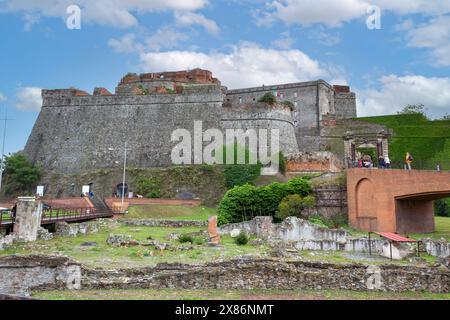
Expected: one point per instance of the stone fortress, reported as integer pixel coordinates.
(78, 132)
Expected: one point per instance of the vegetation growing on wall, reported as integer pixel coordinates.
(149, 187)
(288, 104)
(20, 176)
(244, 202)
(268, 98)
(239, 174)
(292, 206)
(428, 141)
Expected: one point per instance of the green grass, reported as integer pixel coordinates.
(427, 141)
(442, 230)
(105, 256)
(442, 225)
(217, 294)
(157, 211)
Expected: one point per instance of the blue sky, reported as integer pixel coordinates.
(244, 43)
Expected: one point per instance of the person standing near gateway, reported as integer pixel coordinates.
(387, 162)
(408, 161)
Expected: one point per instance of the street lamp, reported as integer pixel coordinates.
(2, 167)
(124, 170)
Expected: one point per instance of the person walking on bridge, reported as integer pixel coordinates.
(408, 161)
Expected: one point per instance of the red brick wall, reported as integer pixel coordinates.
(394, 200)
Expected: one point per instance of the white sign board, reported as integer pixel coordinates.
(85, 189)
(40, 191)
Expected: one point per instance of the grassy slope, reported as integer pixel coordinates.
(217, 294)
(428, 141)
(442, 230)
(156, 211)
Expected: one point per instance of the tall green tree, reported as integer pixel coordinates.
(19, 175)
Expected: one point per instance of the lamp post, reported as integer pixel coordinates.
(124, 172)
(2, 167)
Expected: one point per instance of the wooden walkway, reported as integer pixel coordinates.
(64, 215)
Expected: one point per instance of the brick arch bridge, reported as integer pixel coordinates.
(394, 200)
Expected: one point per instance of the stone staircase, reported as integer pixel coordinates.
(101, 207)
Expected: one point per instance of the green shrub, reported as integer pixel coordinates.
(184, 238)
(144, 91)
(268, 98)
(318, 220)
(240, 174)
(442, 208)
(241, 239)
(288, 104)
(337, 221)
(292, 205)
(232, 204)
(281, 163)
(148, 186)
(199, 241)
(153, 195)
(244, 202)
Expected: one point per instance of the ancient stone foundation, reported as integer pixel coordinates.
(19, 275)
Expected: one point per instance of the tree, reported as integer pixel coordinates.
(20, 175)
(414, 109)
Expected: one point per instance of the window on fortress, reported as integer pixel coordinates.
(295, 94)
(240, 100)
(295, 104)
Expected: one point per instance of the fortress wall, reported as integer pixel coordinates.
(262, 116)
(302, 95)
(74, 134)
(345, 105)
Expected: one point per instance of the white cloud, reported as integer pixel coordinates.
(29, 98)
(190, 18)
(118, 13)
(325, 38)
(334, 13)
(164, 37)
(284, 42)
(247, 65)
(126, 44)
(2, 97)
(396, 92)
(435, 36)
(307, 12)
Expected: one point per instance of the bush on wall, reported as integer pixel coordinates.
(238, 174)
(292, 206)
(244, 202)
(149, 187)
(268, 98)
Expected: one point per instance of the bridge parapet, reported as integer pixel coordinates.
(395, 200)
